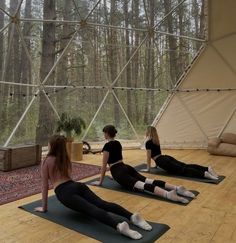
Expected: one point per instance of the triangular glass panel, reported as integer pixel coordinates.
(111, 113)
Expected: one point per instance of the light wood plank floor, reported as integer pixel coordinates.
(209, 218)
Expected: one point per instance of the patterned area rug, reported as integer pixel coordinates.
(25, 182)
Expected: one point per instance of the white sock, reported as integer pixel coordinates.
(124, 229)
(171, 195)
(149, 181)
(137, 220)
(210, 176)
(139, 185)
(211, 171)
(181, 190)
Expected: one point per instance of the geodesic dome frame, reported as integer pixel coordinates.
(208, 108)
(109, 87)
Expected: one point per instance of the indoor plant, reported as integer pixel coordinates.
(71, 126)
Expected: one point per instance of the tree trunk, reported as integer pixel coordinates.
(62, 74)
(195, 14)
(181, 62)
(152, 62)
(147, 80)
(26, 75)
(172, 44)
(2, 5)
(11, 62)
(12, 71)
(127, 55)
(25, 68)
(112, 42)
(2, 86)
(136, 67)
(96, 64)
(202, 22)
(45, 121)
(149, 70)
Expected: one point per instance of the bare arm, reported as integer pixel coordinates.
(45, 177)
(149, 158)
(104, 166)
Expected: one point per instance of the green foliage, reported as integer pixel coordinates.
(70, 125)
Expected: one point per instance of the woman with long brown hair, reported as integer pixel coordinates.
(77, 196)
(170, 164)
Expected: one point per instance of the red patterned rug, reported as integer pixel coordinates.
(25, 182)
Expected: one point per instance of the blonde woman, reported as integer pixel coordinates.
(170, 164)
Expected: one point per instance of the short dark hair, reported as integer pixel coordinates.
(110, 130)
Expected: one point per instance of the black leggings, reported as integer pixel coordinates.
(173, 166)
(127, 176)
(77, 196)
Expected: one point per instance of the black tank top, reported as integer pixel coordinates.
(155, 148)
(115, 151)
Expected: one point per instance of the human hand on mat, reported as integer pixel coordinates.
(145, 170)
(40, 209)
(96, 183)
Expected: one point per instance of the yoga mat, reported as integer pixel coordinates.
(85, 225)
(111, 184)
(159, 171)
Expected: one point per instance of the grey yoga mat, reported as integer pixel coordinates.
(159, 171)
(111, 184)
(85, 225)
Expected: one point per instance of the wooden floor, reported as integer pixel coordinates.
(209, 218)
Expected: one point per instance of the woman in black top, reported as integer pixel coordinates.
(169, 163)
(129, 178)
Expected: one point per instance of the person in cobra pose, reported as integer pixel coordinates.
(170, 164)
(129, 178)
(77, 196)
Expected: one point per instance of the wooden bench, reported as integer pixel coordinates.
(20, 156)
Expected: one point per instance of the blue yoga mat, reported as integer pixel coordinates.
(85, 225)
(159, 171)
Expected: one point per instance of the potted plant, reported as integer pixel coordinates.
(72, 126)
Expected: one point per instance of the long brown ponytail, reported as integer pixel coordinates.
(58, 149)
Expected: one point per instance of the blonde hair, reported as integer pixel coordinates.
(152, 134)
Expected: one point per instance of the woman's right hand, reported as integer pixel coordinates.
(145, 170)
(95, 183)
